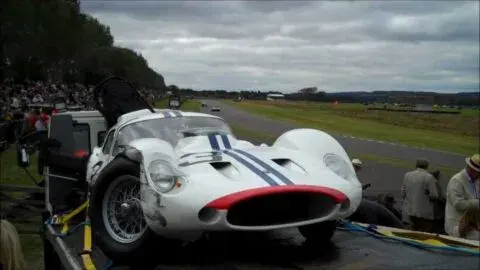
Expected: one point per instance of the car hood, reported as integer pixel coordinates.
(224, 159)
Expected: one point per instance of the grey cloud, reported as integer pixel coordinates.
(273, 45)
(414, 7)
(265, 6)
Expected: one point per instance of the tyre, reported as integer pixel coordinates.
(318, 233)
(118, 225)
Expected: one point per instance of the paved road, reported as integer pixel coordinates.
(385, 178)
(261, 124)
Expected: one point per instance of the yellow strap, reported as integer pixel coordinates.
(87, 238)
(67, 217)
(65, 227)
(87, 262)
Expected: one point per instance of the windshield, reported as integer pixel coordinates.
(171, 129)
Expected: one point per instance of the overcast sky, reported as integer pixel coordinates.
(288, 45)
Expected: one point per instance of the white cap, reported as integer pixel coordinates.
(357, 162)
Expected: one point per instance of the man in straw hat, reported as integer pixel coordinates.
(462, 193)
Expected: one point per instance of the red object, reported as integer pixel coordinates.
(32, 119)
(80, 153)
(44, 117)
(227, 201)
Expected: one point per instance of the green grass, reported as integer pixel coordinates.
(32, 247)
(454, 133)
(245, 133)
(11, 174)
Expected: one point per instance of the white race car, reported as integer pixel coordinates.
(179, 175)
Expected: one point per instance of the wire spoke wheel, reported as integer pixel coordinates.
(122, 212)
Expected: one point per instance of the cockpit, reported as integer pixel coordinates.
(171, 130)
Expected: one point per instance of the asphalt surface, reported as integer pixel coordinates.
(286, 249)
(385, 178)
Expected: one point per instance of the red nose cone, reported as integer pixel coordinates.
(225, 202)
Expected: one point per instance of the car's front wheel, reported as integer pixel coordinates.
(117, 219)
(319, 233)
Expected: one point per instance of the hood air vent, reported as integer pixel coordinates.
(289, 164)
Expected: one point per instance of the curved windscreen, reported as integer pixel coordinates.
(172, 129)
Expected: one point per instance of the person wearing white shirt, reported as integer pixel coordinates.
(463, 193)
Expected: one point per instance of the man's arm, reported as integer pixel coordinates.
(457, 199)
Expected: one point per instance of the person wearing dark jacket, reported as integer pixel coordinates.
(372, 212)
(439, 205)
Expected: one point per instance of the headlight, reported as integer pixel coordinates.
(164, 177)
(339, 166)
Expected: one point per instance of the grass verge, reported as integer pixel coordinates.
(248, 134)
(451, 133)
(11, 174)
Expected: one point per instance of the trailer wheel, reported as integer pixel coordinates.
(117, 220)
(318, 233)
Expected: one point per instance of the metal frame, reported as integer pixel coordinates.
(67, 258)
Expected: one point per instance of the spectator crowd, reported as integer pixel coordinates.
(36, 101)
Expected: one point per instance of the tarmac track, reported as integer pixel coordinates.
(385, 178)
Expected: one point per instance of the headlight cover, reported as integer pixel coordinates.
(163, 175)
(339, 166)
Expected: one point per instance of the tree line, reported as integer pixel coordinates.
(313, 94)
(54, 40)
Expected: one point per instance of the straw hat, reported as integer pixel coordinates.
(474, 162)
(357, 162)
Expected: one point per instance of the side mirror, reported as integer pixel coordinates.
(23, 158)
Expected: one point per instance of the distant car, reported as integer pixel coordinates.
(215, 109)
(204, 104)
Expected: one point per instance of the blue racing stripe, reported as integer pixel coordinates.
(267, 167)
(176, 113)
(226, 142)
(254, 169)
(213, 142)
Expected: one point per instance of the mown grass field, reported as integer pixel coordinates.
(11, 174)
(453, 133)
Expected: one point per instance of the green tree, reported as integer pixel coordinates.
(54, 40)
